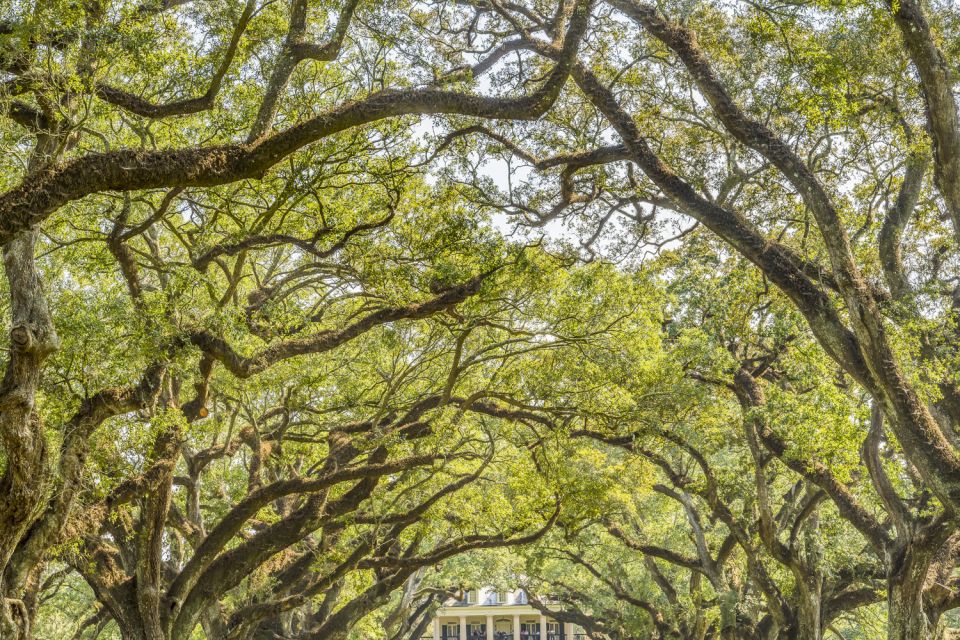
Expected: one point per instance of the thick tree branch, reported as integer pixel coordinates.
(937, 84)
(34, 200)
(244, 367)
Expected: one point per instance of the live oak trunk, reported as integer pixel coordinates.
(25, 482)
(907, 617)
(809, 613)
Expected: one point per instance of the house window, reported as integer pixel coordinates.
(503, 628)
(501, 597)
(472, 596)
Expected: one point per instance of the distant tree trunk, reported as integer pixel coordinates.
(907, 617)
(809, 613)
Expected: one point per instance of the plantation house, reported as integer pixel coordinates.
(489, 614)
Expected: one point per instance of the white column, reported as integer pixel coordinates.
(543, 627)
(436, 628)
(463, 627)
(489, 627)
(516, 626)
